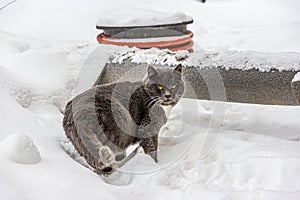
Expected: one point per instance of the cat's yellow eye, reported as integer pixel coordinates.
(173, 86)
(160, 87)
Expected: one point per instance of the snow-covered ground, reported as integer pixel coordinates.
(48, 53)
(262, 25)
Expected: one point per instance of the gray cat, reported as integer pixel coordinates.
(104, 120)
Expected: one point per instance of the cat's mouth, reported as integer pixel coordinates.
(168, 103)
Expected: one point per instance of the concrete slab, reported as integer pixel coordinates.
(234, 85)
(296, 91)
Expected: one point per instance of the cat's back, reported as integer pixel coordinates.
(104, 105)
(101, 96)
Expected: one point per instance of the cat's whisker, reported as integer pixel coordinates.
(152, 101)
(159, 101)
(149, 99)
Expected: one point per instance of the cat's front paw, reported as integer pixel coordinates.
(106, 156)
(105, 171)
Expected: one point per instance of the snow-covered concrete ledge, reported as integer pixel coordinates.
(244, 60)
(243, 76)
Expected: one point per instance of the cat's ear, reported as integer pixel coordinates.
(152, 71)
(178, 69)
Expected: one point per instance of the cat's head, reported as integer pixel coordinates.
(165, 84)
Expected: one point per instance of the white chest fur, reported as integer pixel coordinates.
(167, 110)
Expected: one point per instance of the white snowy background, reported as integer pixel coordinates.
(44, 48)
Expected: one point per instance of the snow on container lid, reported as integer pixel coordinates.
(137, 18)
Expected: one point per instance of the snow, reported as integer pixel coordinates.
(20, 149)
(150, 56)
(259, 25)
(140, 17)
(244, 60)
(297, 77)
(212, 150)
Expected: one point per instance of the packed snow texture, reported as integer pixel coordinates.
(140, 17)
(212, 150)
(243, 60)
(20, 149)
(151, 56)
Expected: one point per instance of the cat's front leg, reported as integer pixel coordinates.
(150, 146)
